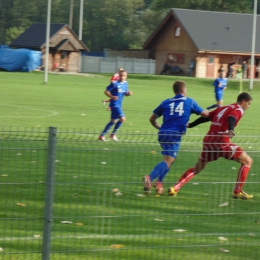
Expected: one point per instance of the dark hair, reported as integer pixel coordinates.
(178, 86)
(244, 96)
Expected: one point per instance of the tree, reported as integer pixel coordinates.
(141, 25)
(106, 22)
(5, 17)
(237, 6)
(12, 33)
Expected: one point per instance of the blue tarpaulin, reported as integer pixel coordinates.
(20, 59)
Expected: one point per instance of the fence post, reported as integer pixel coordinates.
(46, 246)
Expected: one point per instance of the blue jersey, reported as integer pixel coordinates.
(220, 89)
(118, 89)
(176, 112)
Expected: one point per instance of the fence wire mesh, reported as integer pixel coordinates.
(99, 210)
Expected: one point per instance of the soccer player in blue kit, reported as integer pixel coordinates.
(220, 85)
(116, 92)
(176, 112)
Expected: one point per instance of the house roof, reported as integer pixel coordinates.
(35, 36)
(65, 44)
(213, 31)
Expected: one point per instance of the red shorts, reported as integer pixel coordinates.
(213, 150)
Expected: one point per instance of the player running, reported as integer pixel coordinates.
(176, 112)
(217, 144)
(116, 92)
(220, 85)
(114, 78)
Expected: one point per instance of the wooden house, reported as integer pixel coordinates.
(65, 47)
(211, 39)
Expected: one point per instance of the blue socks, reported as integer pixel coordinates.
(117, 126)
(158, 170)
(163, 175)
(215, 105)
(108, 126)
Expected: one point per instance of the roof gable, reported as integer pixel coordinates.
(35, 36)
(65, 45)
(214, 31)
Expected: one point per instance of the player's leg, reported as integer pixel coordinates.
(114, 117)
(106, 101)
(218, 99)
(187, 176)
(246, 163)
(158, 170)
(109, 108)
(206, 156)
(159, 182)
(236, 153)
(119, 114)
(219, 103)
(170, 145)
(106, 129)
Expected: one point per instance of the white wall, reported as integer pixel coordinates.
(110, 65)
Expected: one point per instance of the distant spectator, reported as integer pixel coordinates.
(221, 68)
(191, 67)
(230, 70)
(55, 66)
(244, 69)
(165, 69)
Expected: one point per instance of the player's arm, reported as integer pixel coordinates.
(108, 94)
(129, 93)
(154, 122)
(203, 119)
(198, 121)
(231, 126)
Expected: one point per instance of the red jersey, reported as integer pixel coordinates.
(115, 77)
(219, 123)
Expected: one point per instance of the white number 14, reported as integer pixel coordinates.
(178, 109)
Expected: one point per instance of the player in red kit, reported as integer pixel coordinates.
(114, 78)
(217, 144)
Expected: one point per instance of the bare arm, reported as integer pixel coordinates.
(108, 93)
(154, 122)
(205, 113)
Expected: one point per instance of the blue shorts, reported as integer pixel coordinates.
(219, 96)
(116, 112)
(170, 142)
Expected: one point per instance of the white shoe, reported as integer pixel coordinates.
(113, 137)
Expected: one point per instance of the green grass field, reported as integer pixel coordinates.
(202, 222)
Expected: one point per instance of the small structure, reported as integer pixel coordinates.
(211, 39)
(24, 60)
(65, 47)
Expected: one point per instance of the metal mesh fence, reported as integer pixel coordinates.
(99, 210)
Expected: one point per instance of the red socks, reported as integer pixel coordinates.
(190, 173)
(241, 178)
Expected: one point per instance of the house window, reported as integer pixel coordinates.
(175, 57)
(211, 60)
(63, 55)
(177, 31)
